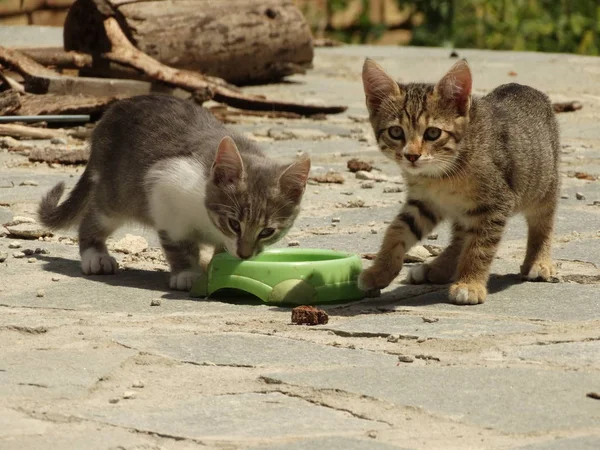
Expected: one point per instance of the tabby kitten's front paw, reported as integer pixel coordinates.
(467, 293)
(94, 262)
(375, 278)
(540, 271)
(183, 281)
(428, 273)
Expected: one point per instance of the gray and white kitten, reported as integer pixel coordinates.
(169, 164)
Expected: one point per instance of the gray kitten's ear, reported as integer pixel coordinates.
(293, 179)
(228, 167)
(455, 87)
(378, 85)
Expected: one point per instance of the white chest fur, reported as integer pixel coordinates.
(177, 190)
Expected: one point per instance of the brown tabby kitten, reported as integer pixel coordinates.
(473, 161)
(170, 165)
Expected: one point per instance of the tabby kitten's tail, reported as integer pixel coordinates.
(55, 216)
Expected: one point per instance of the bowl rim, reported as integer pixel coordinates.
(336, 256)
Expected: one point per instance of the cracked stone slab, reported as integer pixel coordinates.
(76, 436)
(580, 250)
(512, 400)
(63, 373)
(231, 417)
(573, 354)
(412, 326)
(332, 443)
(577, 443)
(239, 349)
(562, 302)
(16, 423)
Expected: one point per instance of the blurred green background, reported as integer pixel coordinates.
(570, 26)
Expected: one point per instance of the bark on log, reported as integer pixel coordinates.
(50, 104)
(124, 52)
(61, 155)
(9, 102)
(25, 132)
(241, 41)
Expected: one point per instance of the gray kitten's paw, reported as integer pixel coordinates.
(183, 281)
(94, 262)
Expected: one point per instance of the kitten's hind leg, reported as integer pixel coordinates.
(94, 229)
(538, 265)
(184, 260)
(481, 244)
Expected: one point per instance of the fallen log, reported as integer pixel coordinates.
(241, 41)
(9, 102)
(101, 87)
(51, 104)
(123, 51)
(202, 87)
(25, 132)
(60, 155)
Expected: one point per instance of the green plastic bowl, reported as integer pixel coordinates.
(300, 276)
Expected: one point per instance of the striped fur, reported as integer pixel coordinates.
(472, 161)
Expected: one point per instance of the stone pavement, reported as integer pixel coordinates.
(88, 363)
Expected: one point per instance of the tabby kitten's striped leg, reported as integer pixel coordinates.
(443, 268)
(481, 244)
(415, 220)
(538, 263)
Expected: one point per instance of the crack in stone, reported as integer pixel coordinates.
(184, 361)
(322, 403)
(34, 385)
(61, 418)
(56, 308)
(567, 341)
(369, 334)
(25, 329)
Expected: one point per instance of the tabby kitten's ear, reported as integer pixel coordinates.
(378, 85)
(228, 167)
(293, 179)
(455, 87)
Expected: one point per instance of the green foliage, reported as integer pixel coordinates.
(570, 26)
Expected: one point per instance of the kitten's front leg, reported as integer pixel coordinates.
(414, 221)
(481, 244)
(183, 257)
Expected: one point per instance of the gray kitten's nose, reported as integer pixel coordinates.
(243, 254)
(412, 157)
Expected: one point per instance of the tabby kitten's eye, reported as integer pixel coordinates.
(266, 232)
(432, 134)
(396, 132)
(235, 226)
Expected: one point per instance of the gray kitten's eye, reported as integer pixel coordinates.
(432, 134)
(266, 232)
(396, 132)
(235, 226)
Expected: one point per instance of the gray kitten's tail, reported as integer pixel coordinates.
(55, 216)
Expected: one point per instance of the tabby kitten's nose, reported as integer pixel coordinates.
(412, 157)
